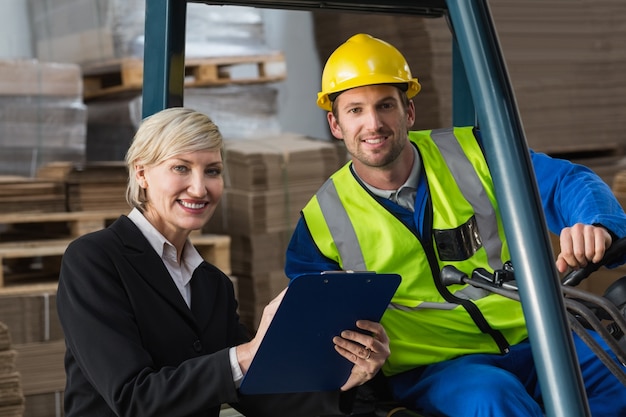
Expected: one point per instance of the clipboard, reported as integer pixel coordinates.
(297, 353)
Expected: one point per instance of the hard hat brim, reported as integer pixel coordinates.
(410, 88)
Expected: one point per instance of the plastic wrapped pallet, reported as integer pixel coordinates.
(240, 111)
(83, 31)
(42, 116)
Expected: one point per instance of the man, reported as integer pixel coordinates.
(412, 203)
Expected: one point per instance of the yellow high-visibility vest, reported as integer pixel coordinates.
(426, 321)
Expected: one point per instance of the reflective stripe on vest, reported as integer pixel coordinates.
(345, 237)
(472, 188)
(341, 228)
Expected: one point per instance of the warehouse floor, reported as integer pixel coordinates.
(230, 412)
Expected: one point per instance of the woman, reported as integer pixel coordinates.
(151, 328)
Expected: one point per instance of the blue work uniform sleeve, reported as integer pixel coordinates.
(572, 193)
(303, 256)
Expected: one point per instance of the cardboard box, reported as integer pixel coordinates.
(277, 162)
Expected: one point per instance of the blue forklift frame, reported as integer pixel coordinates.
(483, 95)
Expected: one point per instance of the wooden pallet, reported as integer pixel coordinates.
(40, 259)
(72, 224)
(126, 74)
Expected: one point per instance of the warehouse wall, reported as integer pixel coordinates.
(292, 33)
(15, 41)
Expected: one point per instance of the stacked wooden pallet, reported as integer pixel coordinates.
(31, 247)
(32, 244)
(125, 75)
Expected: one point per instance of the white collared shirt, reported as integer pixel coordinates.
(181, 273)
(189, 261)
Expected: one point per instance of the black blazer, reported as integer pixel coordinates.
(134, 348)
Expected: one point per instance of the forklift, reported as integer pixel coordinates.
(482, 95)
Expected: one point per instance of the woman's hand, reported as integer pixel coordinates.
(246, 351)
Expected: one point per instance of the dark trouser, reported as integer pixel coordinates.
(296, 405)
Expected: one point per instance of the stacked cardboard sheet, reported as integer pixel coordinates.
(566, 62)
(37, 338)
(566, 66)
(91, 186)
(11, 395)
(31, 315)
(24, 194)
(42, 116)
(41, 367)
(240, 112)
(268, 181)
(273, 163)
(110, 127)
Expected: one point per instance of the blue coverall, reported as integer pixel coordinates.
(493, 384)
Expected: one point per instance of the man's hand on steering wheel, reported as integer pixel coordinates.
(581, 244)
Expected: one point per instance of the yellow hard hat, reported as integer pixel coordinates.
(364, 60)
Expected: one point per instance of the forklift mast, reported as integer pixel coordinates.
(482, 96)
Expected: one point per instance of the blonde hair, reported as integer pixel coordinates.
(170, 132)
